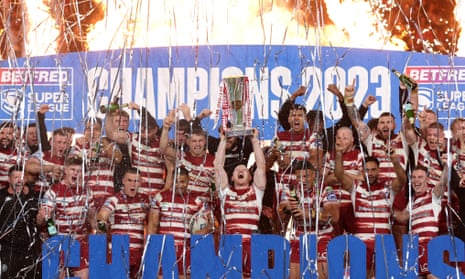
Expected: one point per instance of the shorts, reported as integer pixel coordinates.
(322, 251)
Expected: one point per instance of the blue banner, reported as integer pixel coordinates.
(76, 84)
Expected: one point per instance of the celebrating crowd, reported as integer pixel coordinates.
(356, 177)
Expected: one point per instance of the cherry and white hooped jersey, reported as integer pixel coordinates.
(316, 140)
(7, 160)
(241, 210)
(372, 208)
(458, 159)
(98, 175)
(69, 207)
(283, 181)
(429, 159)
(201, 173)
(130, 215)
(308, 201)
(378, 147)
(296, 144)
(175, 213)
(150, 163)
(353, 164)
(425, 215)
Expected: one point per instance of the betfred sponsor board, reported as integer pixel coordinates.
(23, 91)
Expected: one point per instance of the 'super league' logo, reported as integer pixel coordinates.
(425, 98)
(10, 100)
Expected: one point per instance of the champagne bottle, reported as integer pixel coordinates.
(293, 195)
(101, 226)
(96, 149)
(406, 80)
(277, 144)
(51, 228)
(112, 107)
(409, 113)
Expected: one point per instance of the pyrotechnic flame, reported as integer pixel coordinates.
(42, 29)
(144, 23)
(217, 22)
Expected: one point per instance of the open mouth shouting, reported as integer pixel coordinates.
(60, 152)
(417, 186)
(74, 179)
(386, 132)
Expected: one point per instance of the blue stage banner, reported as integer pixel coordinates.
(226, 262)
(76, 84)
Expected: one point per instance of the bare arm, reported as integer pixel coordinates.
(221, 176)
(102, 219)
(346, 181)
(352, 111)
(260, 173)
(329, 177)
(438, 189)
(169, 165)
(363, 131)
(111, 151)
(34, 168)
(153, 221)
(401, 177)
(165, 148)
(186, 112)
(91, 218)
(409, 131)
(330, 212)
(401, 216)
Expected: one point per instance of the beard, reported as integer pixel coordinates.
(6, 146)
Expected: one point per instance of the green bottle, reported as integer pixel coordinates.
(293, 195)
(409, 113)
(51, 228)
(408, 81)
(112, 107)
(96, 148)
(102, 226)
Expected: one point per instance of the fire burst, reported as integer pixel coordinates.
(31, 27)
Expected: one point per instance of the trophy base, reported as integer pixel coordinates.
(239, 132)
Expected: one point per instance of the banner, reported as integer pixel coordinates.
(76, 84)
(226, 262)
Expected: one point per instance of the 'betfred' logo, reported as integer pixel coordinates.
(444, 74)
(38, 76)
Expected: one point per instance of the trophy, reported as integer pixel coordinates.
(236, 106)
